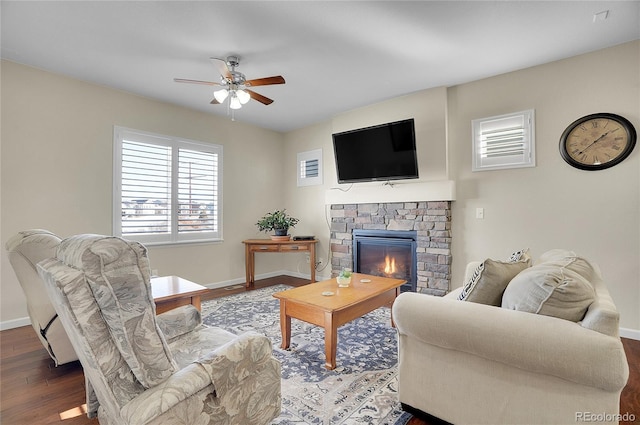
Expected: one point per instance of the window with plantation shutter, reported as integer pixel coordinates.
(166, 190)
(505, 141)
(310, 168)
(197, 191)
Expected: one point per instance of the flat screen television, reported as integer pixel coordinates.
(378, 153)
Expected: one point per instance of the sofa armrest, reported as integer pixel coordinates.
(540, 344)
(236, 360)
(179, 321)
(157, 400)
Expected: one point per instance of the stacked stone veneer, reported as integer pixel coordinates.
(431, 220)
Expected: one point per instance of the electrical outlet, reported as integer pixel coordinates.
(308, 258)
(480, 213)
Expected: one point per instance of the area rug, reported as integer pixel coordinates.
(363, 387)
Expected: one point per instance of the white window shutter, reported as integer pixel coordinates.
(310, 168)
(146, 188)
(505, 141)
(166, 190)
(197, 191)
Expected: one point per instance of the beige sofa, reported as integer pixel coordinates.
(472, 363)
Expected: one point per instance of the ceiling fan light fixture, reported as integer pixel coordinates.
(234, 102)
(233, 84)
(221, 95)
(243, 96)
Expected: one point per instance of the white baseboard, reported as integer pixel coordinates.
(15, 323)
(630, 333)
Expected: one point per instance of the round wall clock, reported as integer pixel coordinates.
(597, 141)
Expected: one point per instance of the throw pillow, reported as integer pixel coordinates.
(569, 260)
(490, 280)
(550, 289)
(522, 255)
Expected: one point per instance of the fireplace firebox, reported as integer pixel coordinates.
(388, 253)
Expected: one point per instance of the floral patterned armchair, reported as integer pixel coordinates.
(146, 369)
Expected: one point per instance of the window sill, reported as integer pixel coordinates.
(182, 243)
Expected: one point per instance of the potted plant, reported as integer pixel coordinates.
(278, 221)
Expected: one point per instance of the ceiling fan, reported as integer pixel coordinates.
(234, 84)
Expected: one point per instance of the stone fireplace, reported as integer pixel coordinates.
(431, 222)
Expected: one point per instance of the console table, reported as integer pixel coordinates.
(251, 246)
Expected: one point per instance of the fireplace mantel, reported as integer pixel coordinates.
(400, 191)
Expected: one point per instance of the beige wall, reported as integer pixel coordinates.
(596, 214)
(57, 144)
(57, 140)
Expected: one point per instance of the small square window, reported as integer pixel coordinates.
(505, 141)
(310, 168)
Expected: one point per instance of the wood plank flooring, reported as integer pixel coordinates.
(33, 391)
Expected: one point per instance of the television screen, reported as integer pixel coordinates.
(382, 152)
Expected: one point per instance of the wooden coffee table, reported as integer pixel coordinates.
(307, 303)
(170, 292)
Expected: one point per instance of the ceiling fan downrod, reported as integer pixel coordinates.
(237, 78)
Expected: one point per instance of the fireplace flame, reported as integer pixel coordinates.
(389, 265)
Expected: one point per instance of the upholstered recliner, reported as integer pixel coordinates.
(468, 362)
(25, 250)
(146, 369)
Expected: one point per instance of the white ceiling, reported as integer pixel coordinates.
(335, 56)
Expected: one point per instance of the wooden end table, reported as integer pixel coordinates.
(170, 292)
(251, 246)
(307, 303)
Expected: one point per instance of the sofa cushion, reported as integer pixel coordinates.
(489, 281)
(550, 289)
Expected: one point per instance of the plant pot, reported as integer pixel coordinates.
(343, 282)
(280, 235)
(344, 278)
(280, 238)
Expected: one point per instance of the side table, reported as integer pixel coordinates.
(170, 292)
(251, 246)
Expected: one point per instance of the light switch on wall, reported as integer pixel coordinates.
(479, 212)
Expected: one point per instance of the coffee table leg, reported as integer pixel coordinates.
(285, 326)
(330, 341)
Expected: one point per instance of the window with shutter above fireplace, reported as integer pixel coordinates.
(505, 141)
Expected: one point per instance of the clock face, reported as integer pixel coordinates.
(597, 141)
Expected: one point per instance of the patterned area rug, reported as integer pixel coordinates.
(362, 388)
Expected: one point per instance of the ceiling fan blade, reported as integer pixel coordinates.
(222, 67)
(206, 83)
(278, 79)
(260, 98)
(214, 102)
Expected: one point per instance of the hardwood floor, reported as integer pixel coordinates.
(33, 391)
